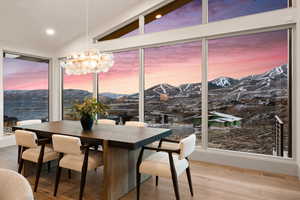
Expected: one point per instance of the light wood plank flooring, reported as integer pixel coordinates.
(211, 182)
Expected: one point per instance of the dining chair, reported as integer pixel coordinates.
(29, 122)
(34, 150)
(14, 186)
(26, 122)
(167, 163)
(136, 124)
(106, 121)
(75, 156)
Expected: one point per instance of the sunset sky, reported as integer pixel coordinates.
(177, 64)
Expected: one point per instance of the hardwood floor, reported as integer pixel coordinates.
(211, 182)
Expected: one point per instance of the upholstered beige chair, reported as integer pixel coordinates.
(14, 186)
(106, 121)
(29, 122)
(26, 122)
(34, 150)
(136, 124)
(74, 156)
(168, 163)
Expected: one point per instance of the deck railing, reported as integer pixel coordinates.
(278, 136)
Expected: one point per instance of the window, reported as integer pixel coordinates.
(119, 87)
(248, 91)
(128, 30)
(177, 14)
(75, 89)
(173, 88)
(25, 89)
(226, 9)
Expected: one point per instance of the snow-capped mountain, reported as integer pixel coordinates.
(162, 89)
(222, 82)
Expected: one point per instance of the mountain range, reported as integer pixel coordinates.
(270, 80)
(268, 84)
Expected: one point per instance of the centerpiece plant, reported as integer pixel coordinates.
(88, 110)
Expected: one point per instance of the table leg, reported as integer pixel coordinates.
(119, 171)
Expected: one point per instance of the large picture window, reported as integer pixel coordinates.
(25, 89)
(75, 89)
(248, 91)
(226, 9)
(119, 87)
(177, 14)
(173, 88)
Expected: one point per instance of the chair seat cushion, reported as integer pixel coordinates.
(32, 154)
(158, 164)
(75, 162)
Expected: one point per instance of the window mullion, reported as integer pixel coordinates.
(1, 93)
(141, 72)
(204, 11)
(204, 94)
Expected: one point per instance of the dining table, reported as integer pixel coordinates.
(120, 144)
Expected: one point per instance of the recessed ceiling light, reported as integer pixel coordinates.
(50, 31)
(158, 16)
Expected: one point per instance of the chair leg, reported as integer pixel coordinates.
(138, 174)
(38, 173)
(138, 184)
(19, 153)
(174, 177)
(82, 183)
(39, 167)
(156, 180)
(188, 174)
(83, 172)
(21, 163)
(176, 189)
(69, 173)
(58, 173)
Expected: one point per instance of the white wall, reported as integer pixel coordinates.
(113, 24)
(55, 104)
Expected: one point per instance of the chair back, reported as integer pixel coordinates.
(66, 144)
(106, 121)
(26, 138)
(187, 146)
(29, 122)
(136, 124)
(14, 186)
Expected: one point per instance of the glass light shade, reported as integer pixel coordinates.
(90, 61)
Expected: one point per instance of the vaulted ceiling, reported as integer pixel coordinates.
(24, 21)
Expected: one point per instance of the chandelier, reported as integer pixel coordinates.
(89, 60)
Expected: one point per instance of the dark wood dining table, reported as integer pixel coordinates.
(121, 146)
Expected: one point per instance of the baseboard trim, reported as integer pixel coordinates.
(248, 161)
(7, 140)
